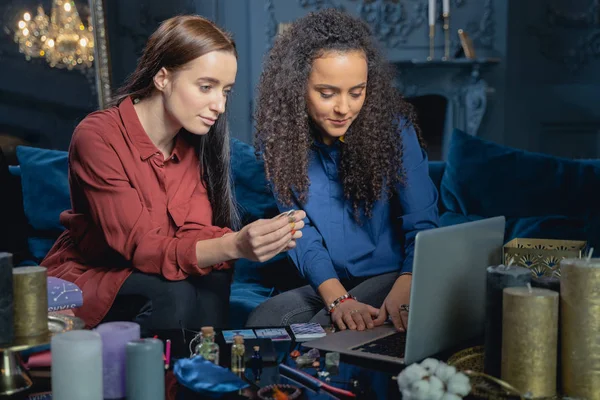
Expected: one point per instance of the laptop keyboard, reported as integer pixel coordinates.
(392, 345)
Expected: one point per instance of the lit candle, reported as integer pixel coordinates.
(498, 278)
(115, 336)
(432, 12)
(6, 298)
(446, 7)
(580, 328)
(530, 340)
(77, 366)
(145, 370)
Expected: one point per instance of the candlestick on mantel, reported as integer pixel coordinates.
(530, 340)
(498, 278)
(580, 328)
(446, 15)
(446, 37)
(77, 366)
(431, 28)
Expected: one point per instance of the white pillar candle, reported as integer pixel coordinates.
(77, 366)
(432, 12)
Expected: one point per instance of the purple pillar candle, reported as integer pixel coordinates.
(115, 336)
(498, 278)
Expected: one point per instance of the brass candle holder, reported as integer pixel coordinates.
(431, 41)
(446, 36)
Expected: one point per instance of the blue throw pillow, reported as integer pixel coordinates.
(484, 178)
(541, 196)
(44, 179)
(255, 200)
(253, 195)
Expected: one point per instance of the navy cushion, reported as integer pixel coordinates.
(252, 192)
(487, 179)
(244, 298)
(44, 179)
(256, 201)
(541, 196)
(436, 173)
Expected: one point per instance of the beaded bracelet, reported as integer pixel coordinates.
(339, 301)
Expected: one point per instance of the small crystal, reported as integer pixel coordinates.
(304, 360)
(314, 353)
(332, 359)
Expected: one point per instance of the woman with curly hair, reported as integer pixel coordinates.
(341, 143)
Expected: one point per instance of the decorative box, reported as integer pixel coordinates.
(542, 256)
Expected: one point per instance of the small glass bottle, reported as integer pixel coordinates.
(207, 347)
(237, 355)
(257, 363)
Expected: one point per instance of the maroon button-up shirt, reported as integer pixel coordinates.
(131, 209)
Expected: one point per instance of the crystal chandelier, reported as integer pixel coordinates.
(61, 39)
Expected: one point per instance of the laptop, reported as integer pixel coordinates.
(447, 300)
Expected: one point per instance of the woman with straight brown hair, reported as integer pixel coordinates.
(153, 214)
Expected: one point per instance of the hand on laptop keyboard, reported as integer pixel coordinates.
(354, 315)
(395, 306)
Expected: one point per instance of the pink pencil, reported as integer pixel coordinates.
(168, 355)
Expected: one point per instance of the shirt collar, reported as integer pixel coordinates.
(136, 132)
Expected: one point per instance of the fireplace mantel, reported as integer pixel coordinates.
(459, 80)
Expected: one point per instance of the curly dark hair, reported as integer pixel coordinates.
(371, 154)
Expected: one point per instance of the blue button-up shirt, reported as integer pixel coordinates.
(334, 245)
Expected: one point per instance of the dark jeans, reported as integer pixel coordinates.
(305, 305)
(158, 304)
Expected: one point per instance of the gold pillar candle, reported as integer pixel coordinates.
(30, 302)
(530, 339)
(580, 328)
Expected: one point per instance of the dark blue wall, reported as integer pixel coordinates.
(553, 77)
(543, 94)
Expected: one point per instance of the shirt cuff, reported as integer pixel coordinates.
(187, 259)
(186, 253)
(318, 271)
(407, 264)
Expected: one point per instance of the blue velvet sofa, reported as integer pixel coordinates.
(541, 196)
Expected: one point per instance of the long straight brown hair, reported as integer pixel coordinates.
(176, 42)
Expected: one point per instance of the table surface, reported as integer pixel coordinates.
(367, 379)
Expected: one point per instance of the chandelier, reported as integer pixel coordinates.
(62, 39)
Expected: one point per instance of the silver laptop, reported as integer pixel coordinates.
(447, 300)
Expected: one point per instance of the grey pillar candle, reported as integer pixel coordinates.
(498, 278)
(546, 282)
(145, 372)
(6, 298)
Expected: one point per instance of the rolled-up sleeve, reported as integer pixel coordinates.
(417, 195)
(117, 209)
